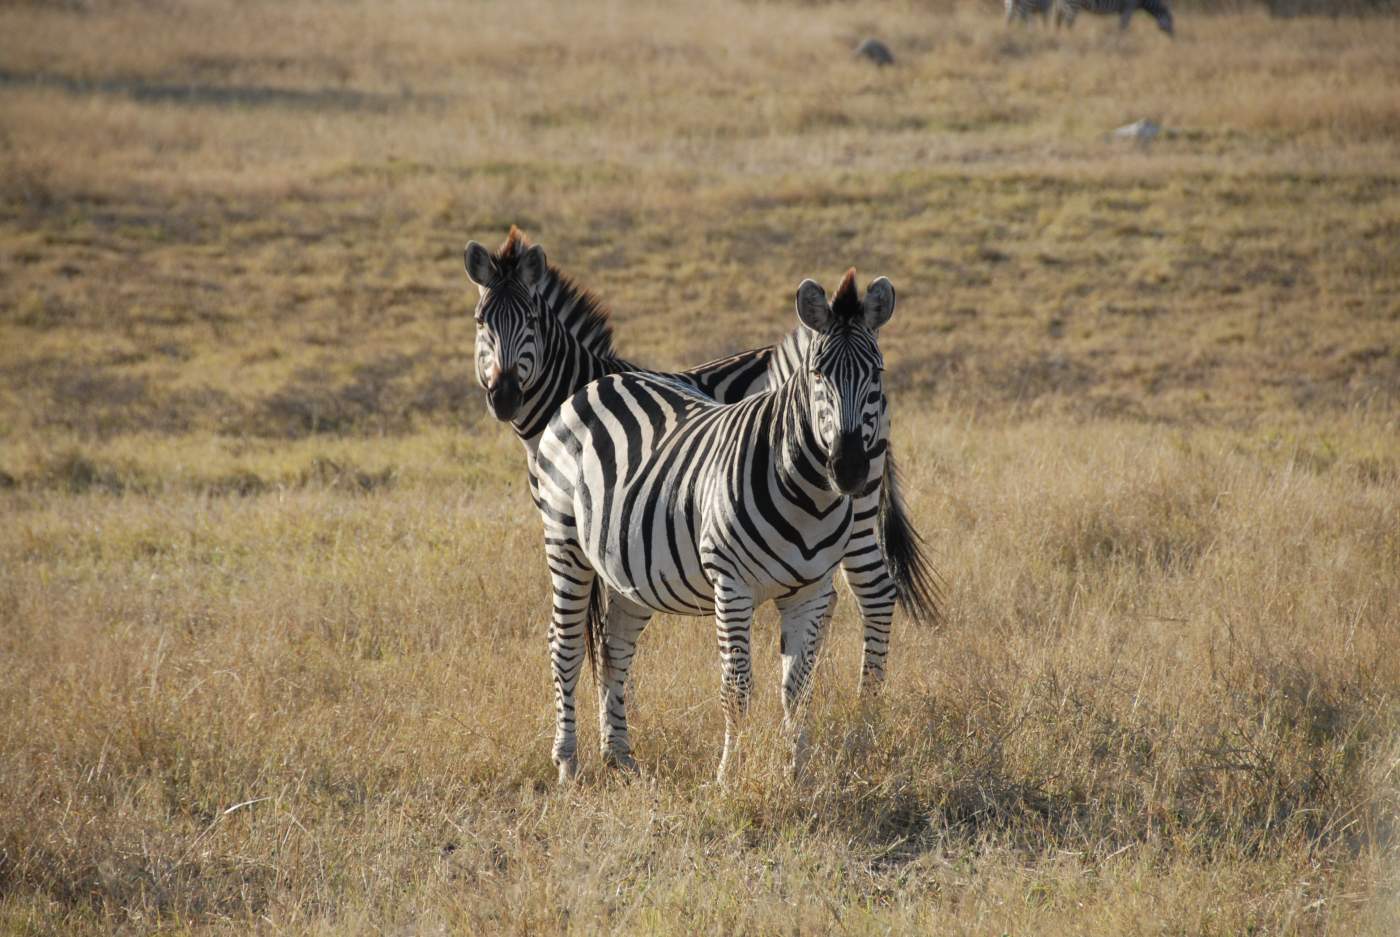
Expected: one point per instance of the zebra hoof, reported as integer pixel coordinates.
(728, 772)
(568, 769)
(623, 761)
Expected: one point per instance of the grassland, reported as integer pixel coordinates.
(272, 612)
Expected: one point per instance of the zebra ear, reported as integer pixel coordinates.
(813, 310)
(878, 303)
(532, 266)
(480, 267)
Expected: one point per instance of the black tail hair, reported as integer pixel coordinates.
(918, 588)
(595, 644)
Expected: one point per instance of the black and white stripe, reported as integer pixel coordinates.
(1067, 10)
(540, 338)
(1022, 9)
(676, 503)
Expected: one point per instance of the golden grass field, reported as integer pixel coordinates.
(272, 604)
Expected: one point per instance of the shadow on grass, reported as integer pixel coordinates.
(198, 94)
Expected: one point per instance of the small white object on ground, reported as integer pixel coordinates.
(1142, 132)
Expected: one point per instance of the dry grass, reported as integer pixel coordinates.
(271, 608)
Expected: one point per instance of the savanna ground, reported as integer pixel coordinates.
(272, 608)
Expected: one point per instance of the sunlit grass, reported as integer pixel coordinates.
(272, 611)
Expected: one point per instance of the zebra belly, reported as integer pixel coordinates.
(654, 560)
(773, 566)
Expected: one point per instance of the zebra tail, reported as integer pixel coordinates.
(918, 588)
(595, 644)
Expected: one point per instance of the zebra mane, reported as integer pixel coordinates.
(581, 313)
(846, 305)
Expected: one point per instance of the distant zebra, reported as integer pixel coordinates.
(683, 505)
(540, 338)
(1066, 10)
(1022, 9)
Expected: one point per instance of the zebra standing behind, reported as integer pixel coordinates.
(539, 339)
(1066, 10)
(1022, 10)
(683, 505)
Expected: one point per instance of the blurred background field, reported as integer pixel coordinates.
(272, 611)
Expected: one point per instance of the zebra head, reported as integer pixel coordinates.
(507, 316)
(843, 367)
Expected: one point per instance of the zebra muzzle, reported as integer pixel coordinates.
(849, 464)
(504, 396)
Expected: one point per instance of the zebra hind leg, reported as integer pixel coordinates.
(572, 583)
(804, 618)
(625, 621)
(733, 621)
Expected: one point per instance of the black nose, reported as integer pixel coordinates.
(504, 397)
(849, 464)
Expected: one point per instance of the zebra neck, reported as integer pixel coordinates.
(800, 464)
(565, 365)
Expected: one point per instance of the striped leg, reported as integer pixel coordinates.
(869, 578)
(733, 618)
(827, 614)
(572, 580)
(804, 617)
(624, 625)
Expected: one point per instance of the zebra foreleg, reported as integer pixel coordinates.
(733, 620)
(867, 573)
(875, 594)
(804, 617)
(624, 625)
(572, 582)
(827, 615)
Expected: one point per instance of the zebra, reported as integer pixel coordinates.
(540, 338)
(1066, 10)
(679, 504)
(1022, 10)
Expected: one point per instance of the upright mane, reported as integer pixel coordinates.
(845, 305)
(581, 313)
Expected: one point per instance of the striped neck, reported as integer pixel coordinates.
(800, 463)
(565, 366)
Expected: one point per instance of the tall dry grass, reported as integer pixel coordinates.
(271, 608)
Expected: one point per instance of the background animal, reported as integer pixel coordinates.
(1067, 10)
(1022, 9)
